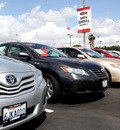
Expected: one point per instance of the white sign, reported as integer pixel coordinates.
(84, 19)
(14, 112)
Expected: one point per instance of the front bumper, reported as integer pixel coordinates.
(83, 84)
(36, 104)
(115, 75)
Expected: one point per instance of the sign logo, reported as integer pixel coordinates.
(11, 79)
(83, 13)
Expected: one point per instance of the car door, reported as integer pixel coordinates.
(14, 51)
(72, 52)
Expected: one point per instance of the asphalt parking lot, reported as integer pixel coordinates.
(81, 112)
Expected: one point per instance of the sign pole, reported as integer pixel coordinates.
(84, 21)
(84, 34)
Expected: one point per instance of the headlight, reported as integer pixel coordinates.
(115, 66)
(74, 71)
(39, 77)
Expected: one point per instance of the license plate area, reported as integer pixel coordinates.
(14, 112)
(104, 83)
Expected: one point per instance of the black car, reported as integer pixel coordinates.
(62, 74)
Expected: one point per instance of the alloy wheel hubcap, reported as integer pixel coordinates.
(49, 87)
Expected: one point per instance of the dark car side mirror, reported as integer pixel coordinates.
(24, 54)
(81, 56)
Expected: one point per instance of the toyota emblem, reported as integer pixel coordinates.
(11, 79)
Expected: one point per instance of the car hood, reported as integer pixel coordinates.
(11, 65)
(74, 62)
(105, 60)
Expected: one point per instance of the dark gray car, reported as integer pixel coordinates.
(62, 74)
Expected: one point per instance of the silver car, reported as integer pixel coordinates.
(22, 92)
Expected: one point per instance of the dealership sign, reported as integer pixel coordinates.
(84, 19)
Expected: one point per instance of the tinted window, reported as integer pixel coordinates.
(92, 53)
(61, 49)
(100, 52)
(72, 52)
(14, 50)
(43, 50)
(3, 48)
(113, 54)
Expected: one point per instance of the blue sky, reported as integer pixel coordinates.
(102, 8)
(25, 15)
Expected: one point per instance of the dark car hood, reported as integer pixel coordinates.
(73, 62)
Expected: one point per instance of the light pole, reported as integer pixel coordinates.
(100, 43)
(54, 43)
(83, 3)
(70, 35)
(118, 45)
(84, 32)
(18, 38)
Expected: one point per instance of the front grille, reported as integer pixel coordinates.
(26, 83)
(100, 73)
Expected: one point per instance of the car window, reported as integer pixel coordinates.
(72, 52)
(92, 53)
(48, 51)
(102, 53)
(117, 53)
(61, 49)
(14, 50)
(113, 54)
(3, 48)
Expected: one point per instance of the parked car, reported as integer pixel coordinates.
(22, 92)
(108, 54)
(116, 52)
(112, 66)
(62, 74)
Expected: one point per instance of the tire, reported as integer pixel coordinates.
(109, 76)
(53, 88)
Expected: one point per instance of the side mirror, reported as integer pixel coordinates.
(24, 54)
(81, 56)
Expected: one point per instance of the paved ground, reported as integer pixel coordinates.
(81, 112)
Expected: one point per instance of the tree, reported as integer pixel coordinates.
(91, 41)
(77, 46)
(108, 48)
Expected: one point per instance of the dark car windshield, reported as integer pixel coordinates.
(91, 53)
(46, 51)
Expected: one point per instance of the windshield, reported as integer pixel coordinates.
(92, 53)
(46, 51)
(113, 54)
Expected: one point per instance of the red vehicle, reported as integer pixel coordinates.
(107, 53)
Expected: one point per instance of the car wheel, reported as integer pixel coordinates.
(53, 88)
(109, 76)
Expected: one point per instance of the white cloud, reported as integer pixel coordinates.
(2, 5)
(108, 30)
(51, 28)
(23, 16)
